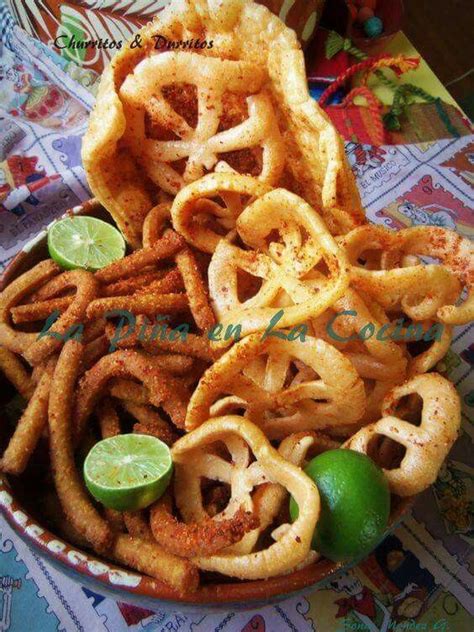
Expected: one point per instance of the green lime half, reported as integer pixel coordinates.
(355, 504)
(129, 471)
(84, 242)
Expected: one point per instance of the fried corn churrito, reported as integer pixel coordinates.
(427, 445)
(33, 347)
(14, 370)
(109, 421)
(40, 310)
(193, 460)
(164, 389)
(164, 248)
(200, 538)
(30, 426)
(147, 304)
(75, 501)
(19, 341)
(149, 558)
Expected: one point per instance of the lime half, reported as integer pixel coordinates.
(128, 472)
(84, 242)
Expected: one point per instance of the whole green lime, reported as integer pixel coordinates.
(355, 504)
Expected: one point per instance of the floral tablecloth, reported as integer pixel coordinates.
(421, 577)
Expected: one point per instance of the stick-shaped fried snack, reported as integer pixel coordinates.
(20, 341)
(15, 372)
(86, 291)
(150, 558)
(109, 421)
(32, 312)
(30, 426)
(74, 499)
(165, 248)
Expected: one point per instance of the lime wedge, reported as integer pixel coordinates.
(84, 242)
(128, 472)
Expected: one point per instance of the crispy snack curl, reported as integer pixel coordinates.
(288, 248)
(394, 276)
(283, 386)
(194, 458)
(427, 445)
(142, 94)
(200, 219)
(165, 118)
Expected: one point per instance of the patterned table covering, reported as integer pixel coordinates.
(419, 578)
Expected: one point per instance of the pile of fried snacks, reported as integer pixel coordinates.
(270, 323)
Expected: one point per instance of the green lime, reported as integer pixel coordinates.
(128, 472)
(84, 242)
(355, 504)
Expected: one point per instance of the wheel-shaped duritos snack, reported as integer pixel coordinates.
(361, 332)
(164, 118)
(289, 249)
(284, 386)
(394, 276)
(200, 142)
(194, 456)
(200, 219)
(426, 445)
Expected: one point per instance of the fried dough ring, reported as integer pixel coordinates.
(283, 267)
(260, 387)
(427, 445)
(373, 359)
(156, 222)
(428, 359)
(141, 92)
(195, 201)
(240, 435)
(423, 291)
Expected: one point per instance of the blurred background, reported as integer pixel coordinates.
(443, 33)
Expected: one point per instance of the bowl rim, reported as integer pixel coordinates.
(125, 584)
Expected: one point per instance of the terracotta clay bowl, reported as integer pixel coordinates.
(216, 592)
